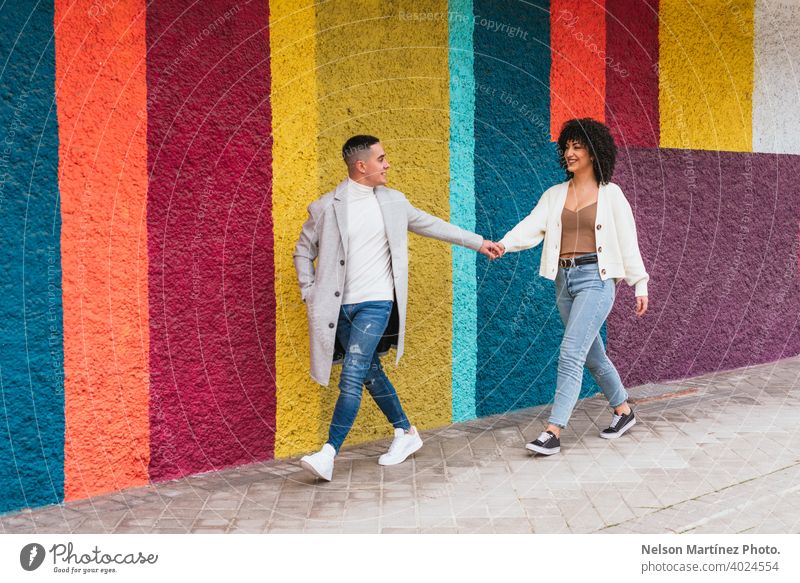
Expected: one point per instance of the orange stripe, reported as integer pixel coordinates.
(102, 123)
(578, 72)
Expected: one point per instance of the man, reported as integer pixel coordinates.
(357, 294)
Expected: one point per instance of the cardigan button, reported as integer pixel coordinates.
(341, 262)
(330, 325)
(598, 227)
(337, 294)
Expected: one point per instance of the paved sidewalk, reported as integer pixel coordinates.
(714, 454)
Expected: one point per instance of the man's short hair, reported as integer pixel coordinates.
(357, 148)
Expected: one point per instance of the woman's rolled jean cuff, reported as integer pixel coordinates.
(625, 400)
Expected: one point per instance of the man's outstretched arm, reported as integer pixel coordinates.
(427, 225)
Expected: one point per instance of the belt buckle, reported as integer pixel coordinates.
(567, 263)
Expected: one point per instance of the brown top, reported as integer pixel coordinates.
(577, 231)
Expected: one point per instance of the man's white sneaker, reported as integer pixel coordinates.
(404, 445)
(321, 463)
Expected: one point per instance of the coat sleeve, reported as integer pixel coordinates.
(635, 273)
(530, 231)
(422, 223)
(305, 252)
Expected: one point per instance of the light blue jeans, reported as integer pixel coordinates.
(359, 330)
(584, 302)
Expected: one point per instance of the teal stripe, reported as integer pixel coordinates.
(462, 208)
(31, 317)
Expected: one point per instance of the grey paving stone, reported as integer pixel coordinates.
(716, 453)
(550, 525)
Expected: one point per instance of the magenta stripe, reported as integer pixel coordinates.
(718, 233)
(632, 71)
(212, 306)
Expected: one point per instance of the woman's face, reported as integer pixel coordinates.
(577, 157)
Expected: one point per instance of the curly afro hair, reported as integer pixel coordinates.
(596, 138)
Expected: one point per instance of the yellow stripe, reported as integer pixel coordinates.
(706, 74)
(384, 72)
(295, 123)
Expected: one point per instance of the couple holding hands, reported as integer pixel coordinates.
(357, 294)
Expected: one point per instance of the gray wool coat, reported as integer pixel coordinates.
(323, 238)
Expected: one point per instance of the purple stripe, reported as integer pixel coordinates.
(718, 233)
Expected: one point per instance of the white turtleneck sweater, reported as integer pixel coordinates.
(369, 262)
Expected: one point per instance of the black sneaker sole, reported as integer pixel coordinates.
(619, 433)
(542, 450)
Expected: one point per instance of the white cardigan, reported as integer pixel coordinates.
(615, 234)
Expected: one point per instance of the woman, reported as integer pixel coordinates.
(589, 245)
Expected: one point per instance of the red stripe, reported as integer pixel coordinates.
(212, 303)
(632, 72)
(578, 72)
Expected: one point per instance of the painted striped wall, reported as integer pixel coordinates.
(101, 94)
(461, 59)
(31, 314)
(209, 236)
(158, 159)
(380, 72)
(515, 161)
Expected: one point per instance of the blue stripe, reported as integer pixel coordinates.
(462, 207)
(31, 316)
(519, 329)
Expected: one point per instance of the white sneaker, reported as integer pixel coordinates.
(321, 463)
(404, 445)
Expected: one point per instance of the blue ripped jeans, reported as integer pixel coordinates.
(360, 328)
(584, 302)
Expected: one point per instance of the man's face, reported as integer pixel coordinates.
(375, 167)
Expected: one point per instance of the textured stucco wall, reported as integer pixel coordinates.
(186, 340)
(462, 206)
(212, 311)
(578, 68)
(515, 161)
(294, 108)
(776, 83)
(631, 57)
(383, 72)
(718, 231)
(31, 318)
(102, 116)
(706, 74)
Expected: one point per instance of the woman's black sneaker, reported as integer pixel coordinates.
(619, 425)
(547, 443)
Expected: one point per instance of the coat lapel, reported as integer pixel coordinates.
(389, 217)
(341, 212)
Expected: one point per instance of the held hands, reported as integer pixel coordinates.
(491, 249)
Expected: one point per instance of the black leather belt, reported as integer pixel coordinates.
(574, 261)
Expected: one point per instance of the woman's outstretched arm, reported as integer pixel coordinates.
(529, 232)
